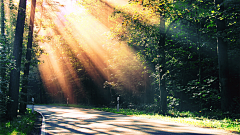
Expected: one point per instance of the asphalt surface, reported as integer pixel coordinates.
(70, 121)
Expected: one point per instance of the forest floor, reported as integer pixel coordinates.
(37, 126)
(27, 124)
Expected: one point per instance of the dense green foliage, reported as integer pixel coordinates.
(22, 125)
(187, 62)
(191, 75)
(6, 57)
(196, 119)
(189, 57)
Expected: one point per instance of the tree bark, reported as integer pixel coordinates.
(3, 83)
(222, 48)
(17, 53)
(2, 19)
(162, 85)
(23, 105)
(3, 50)
(2, 65)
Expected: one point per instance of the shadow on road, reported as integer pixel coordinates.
(68, 120)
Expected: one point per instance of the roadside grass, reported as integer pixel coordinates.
(192, 118)
(182, 117)
(22, 125)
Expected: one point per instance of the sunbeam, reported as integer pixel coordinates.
(75, 33)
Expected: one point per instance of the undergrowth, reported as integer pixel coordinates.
(187, 117)
(22, 125)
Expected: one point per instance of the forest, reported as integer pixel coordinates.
(156, 55)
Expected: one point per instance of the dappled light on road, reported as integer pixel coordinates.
(59, 121)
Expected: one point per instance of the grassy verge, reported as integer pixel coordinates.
(22, 125)
(226, 123)
(175, 116)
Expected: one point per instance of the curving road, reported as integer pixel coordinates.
(69, 121)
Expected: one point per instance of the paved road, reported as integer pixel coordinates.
(69, 120)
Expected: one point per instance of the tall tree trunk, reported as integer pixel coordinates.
(41, 87)
(2, 66)
(222, 59)
(17, 53)
(3, 51)
(11, 20)
(23, 105)
(2, 19)
(199, 42)
(163, 92)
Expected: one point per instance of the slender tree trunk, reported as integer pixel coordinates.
(3, 50)
(199, 42)
(17, 53)
(145, 88)
(41, 87)
(23, 105)
(222, 59)
(163, 93)
(3, 67)
(11, 20)
(2, 19)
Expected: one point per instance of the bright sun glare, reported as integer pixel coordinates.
(87, 37)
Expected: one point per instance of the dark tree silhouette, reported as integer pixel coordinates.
(12, 106)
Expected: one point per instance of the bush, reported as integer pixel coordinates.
(23, 124)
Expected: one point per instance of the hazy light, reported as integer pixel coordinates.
(86, 37)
